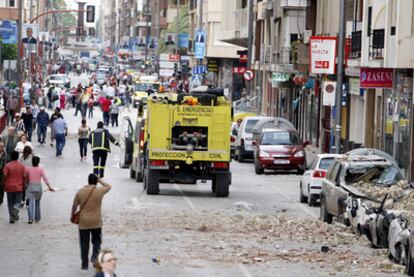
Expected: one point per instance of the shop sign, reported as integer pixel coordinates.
(329, 89)
(213, 65)
(280, 77)
(322, 55)
(376, 78)
(354, 87)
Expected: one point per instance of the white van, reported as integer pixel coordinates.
(243, 145)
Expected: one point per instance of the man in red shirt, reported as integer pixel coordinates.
(106, 107)
(14, 180)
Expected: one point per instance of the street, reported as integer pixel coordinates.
(261, 229)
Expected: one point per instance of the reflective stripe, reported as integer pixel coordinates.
(99, 148)
(103, 140)
(99, 167)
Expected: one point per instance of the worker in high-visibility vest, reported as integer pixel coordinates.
(100, 140)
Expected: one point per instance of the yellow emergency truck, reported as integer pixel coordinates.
(187, 139)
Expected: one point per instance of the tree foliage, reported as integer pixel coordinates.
(8, 52)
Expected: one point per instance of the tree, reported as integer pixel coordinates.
(8, 52)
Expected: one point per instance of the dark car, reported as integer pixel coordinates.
(279, 149)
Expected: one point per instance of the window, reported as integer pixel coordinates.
(249, 125)
(378, 39)
(12, 3)
(325, 163)
(369, 21)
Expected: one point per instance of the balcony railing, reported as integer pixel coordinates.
(285, 55)
(356, 45)
(241, 19)
(377, 43)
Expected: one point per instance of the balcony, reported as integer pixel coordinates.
(234, 28)
(294, 4)
(376, 44)
(356, 45)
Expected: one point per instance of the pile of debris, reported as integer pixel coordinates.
(371, 190)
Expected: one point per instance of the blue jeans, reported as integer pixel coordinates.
(106, 118)
(34, 209)
(41, 133)
(60, 144)
(29, 132)
(14, 200)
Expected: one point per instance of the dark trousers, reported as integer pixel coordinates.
(13, 203)
(60, 144)
(83, 146)
(29, 132)
(90, 112)
(1, 194)
(41, 133)
(114, 119)
(99, 161)
(78, 108)
(85, 237)
(106, 118)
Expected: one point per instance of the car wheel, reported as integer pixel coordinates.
(300, 171)
(302, 198)
(324, 215)
(258, 169)
(311, 198)
(410, 262)
(236, 155)
(132, 173)
(240, 157)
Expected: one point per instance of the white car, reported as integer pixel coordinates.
(59, 80)
(311, 182)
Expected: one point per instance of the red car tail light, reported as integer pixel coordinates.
(158, 163)
(319, 174)
(223, 165)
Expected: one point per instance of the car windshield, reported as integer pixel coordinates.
(325, 163)
(249, 125)
(280, 138)
(145, 86)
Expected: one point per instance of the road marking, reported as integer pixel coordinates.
(141, 205)
(245, 271)
(186, 199)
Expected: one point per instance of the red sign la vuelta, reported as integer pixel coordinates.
(376, 78)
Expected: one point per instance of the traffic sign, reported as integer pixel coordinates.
(248, 75)
(199, 69)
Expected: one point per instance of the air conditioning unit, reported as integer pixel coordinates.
(261, 10)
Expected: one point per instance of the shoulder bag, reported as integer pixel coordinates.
(75, 217)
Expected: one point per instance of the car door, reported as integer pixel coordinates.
(328, 186)
(336, 193)
(308, 175)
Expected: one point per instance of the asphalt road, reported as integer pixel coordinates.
(189, 231)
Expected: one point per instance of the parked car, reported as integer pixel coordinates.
(59, 80)
(336, 186)
(279, 149)
(271, 122)
(243, 144)
(311, 182)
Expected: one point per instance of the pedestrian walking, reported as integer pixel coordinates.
(3, 159)
(10, 141)
(106, 107)
(42, 123)
(53, 117)
(22, 144)
(13, 105)
(91, 103)
(27, 118)
(115, 112)
(61, 130)
(100, 140)
(14, 180)
(50, 96)
(26, 160)
(89, 201)
(83, 136)
(35, 112)
(106, 264)
(19, 125)
(62, 99)
(35, 175)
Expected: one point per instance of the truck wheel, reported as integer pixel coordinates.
(324, 215)
(302, 198)
(222, 184)
(132, 173)
(153, 182)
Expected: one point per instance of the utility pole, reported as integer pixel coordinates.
(250, 42)
(29, 45)
(19, 57)
(339, 77)
(200, 24)
(177, 25)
